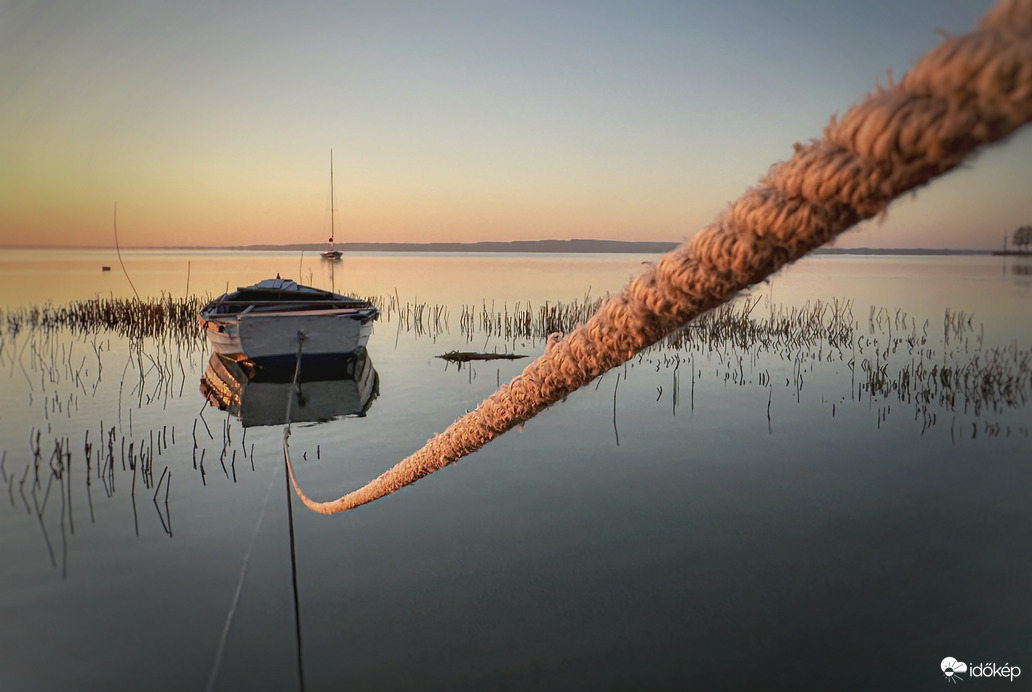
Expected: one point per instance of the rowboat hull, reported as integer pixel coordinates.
(278, 319)
(272, 336)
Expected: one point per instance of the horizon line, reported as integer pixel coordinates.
(584, 246)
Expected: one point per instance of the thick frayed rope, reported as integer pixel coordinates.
(970, 91)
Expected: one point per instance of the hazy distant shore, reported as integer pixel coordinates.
(576, 246)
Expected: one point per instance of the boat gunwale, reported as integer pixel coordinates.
(355, 304)
(364, 312)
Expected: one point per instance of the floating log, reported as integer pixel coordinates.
(466, 356)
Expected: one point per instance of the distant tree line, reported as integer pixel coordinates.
(1022, 238)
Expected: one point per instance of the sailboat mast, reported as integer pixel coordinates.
(331, 199)
(330, 253)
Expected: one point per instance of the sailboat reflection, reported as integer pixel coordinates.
(258, 395)
(1018, 269)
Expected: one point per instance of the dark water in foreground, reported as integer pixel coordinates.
(775, 513)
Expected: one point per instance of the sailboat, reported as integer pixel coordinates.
(331, 254)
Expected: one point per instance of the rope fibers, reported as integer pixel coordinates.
(970, 91)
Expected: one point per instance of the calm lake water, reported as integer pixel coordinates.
(838, 504)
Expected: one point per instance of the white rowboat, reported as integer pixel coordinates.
(273, 318)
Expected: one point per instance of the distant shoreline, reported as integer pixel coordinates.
(575, 246)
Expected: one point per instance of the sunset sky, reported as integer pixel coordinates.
(211, 123)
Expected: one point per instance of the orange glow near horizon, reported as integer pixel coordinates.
(230, 211)
(221, 207)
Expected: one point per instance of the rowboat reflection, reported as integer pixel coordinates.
(327, 390)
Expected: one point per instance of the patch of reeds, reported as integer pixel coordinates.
(524, 321)
(164, 317)
(420, 318)
(793, 327)
(894, 358)
(732, 325)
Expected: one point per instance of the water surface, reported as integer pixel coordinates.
(728, 514)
